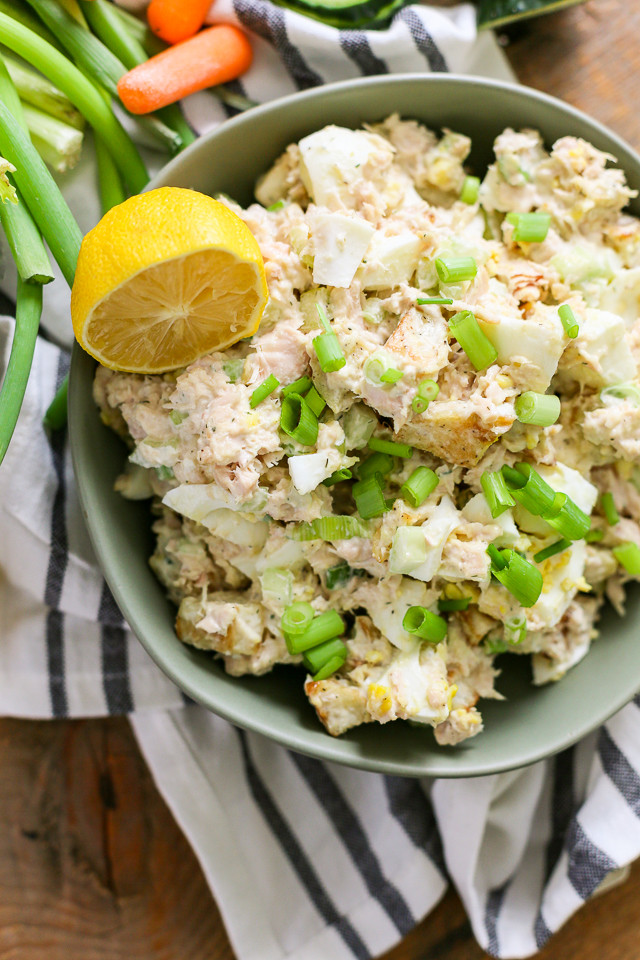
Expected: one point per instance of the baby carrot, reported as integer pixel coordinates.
(215, 55)
(176, 20)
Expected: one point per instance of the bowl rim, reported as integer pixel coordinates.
(329, 749)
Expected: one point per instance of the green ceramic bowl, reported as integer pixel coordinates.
(533, 722)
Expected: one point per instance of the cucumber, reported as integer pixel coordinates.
(497, 13)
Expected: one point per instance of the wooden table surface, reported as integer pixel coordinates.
(92, 865)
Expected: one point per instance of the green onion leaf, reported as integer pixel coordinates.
(324, 319)
(342, 474)
(530, 227)
(622, 391)
(369, 498)
(337, 575)
(313, 400)
(325, 659)
(628, 556)
(391, 375)
(609, 509)
(329, 528)
(55, 416)
(450, 604)
(540, 409)
(373, 369)
(295, 620)
(569, 322)
(298, 421)
(423, 301)
(420, 622)
(470, 190)
(521, 578)
(377, 463)
(515, 629)
(570, 521)
(594, 536)
(263, 391)
(530, 490)
(496, 493)
(456, 269)
(497, 560)
(419, 486)
(428, 390)
(477, 346)
(28, 312)
(298, 386)
(558, 547)
(278, 205)
(329, 352)
(391, 447)
(324, 627)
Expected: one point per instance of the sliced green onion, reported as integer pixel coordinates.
(519, 577)
(529, 227)
(494, 646)
(82, 93)
(570, 521)
(515, 629)
(540, 409)
(298, 386)
(377, 463)
(594, 536)
(569, 322)
(342, 474)
(109, 183)
(428, 390)
(623, 391)
(298, 421)
(56, 413)
(336, 528)
(374, 369)
(324, 627)
(278, 205)
(422, 301)
(369, 498)
(58, 143)
(35, 89)
(496, 493)
(456, 269)
(477, 346)
(450, 604)
(558, 547)
(295, 619)
(470, 190)
(337, 575)
(419, 486)
(329, 352)
(628, 556)
(420, 622)
(28, 312)
(530, 490)
(497, 560)
(324, 319)
(391, 447)
(325, 659)
(263, 391)
(391, 375)
(313, 400)
(609, 509)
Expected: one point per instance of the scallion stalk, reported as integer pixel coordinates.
(476, 344)
(263, 391)
(419, 486)
(109, 183)
(56, 413)
(58, 143)
(456, 269)
(530, 227)
(530, 490)
(568, 320)
(391, 375)
(539, 409)
(515, 629)
(622, 391)
(337, 476)
(391, 447)
(329, 352)
(325, 659)
(326, 626)
(313, 400)
(558, 547)
(28, 312)
(37, 186)
(470, 190)
(35, 89)
(496, 493)
(377, 463)
(609, 509)
(17, 11)
(339, 528)
(594, 536)
(298, 421)
(295, 620)
(298, 386)
(428, 390)
(420, 622)
(628, 556)
(369, 498)
(569, 521)
(423, 301)
(68, 78)
(451, 604)
(519, 577)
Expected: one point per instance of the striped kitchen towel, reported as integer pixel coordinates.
(307, 860)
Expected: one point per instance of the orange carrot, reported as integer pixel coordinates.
(215, 55)
(176, 20)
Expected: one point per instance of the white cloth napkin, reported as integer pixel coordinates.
(306, 860)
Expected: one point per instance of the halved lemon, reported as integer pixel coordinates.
(164, 278)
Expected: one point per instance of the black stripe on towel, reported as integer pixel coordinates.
(355, 841)
(491, 914)
(114, 655)
(588, 864)
(619, 770)
(57, 566)
(268, 21)
(423, 40)
(297, 857)
(357, 47)
(413, 811)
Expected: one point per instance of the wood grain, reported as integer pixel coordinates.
(92, 865)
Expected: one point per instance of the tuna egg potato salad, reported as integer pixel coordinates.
(427, 454)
